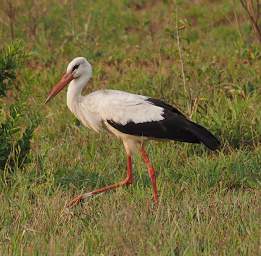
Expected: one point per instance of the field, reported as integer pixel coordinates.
(201, 56)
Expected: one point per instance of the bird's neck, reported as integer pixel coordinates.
(74, 92)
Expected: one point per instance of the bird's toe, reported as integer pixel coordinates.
(75, 201)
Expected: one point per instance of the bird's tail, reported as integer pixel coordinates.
(204, 136)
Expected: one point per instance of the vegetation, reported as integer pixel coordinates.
(252, 8)
(203, 56)
(13, 150)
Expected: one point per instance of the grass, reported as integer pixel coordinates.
(209, 202)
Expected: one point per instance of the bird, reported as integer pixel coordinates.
(133, 118)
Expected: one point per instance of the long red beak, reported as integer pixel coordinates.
(66, 79)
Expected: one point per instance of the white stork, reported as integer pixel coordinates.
(132, 118)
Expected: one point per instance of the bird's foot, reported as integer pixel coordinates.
(152, 205)
(79, 199)
(75, 201)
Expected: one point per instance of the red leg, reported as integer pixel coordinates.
(151, 174)
(127, 181)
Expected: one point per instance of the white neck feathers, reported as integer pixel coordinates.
(74, 92)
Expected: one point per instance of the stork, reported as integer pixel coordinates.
(133, 118)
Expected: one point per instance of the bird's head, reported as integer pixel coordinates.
(78, 69)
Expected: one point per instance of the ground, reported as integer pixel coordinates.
(201, 56)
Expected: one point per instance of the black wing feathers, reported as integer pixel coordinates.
(205, 136)
(174, 126)
(170, 128)
(164, 105)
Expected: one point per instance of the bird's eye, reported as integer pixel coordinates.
(75, 67)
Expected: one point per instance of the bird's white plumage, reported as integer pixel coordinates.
(121, 107)
(96, 108)
(131, 117)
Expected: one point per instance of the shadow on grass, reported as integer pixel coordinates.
(80, 178)
(239, 170)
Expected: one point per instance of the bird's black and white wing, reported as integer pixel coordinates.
(143, 116)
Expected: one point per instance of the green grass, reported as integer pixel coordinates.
(209, 202)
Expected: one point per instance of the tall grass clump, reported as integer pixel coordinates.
(14, 135)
